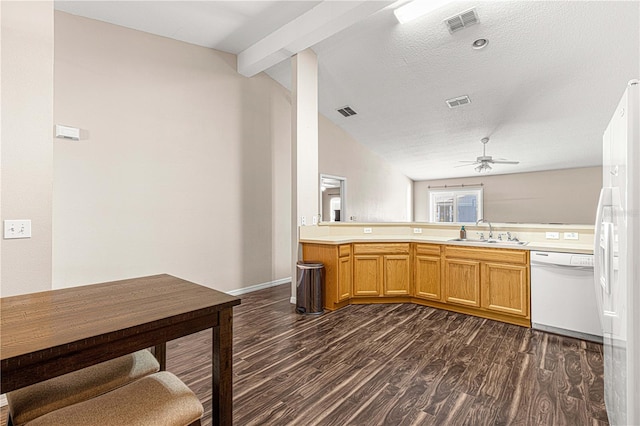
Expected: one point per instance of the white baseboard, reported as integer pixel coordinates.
(3, 400)
(293, 300)
(262, 286)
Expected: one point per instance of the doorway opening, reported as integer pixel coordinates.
(332, 198)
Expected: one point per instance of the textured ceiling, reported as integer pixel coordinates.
(543, 89)
(230, 26)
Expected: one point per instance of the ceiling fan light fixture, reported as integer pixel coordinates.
(483, 162)
(484, 167)
(417, 8)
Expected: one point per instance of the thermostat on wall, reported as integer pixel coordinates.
(66, 132)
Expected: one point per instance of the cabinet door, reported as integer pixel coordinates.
(397, 271)
(344, 278)
(505, 288)
(328, 255)
(367, 275)
(427, 277)
(462, 282)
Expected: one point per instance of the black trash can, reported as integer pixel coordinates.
(309, 285)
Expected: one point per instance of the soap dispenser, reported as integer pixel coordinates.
(463, 233)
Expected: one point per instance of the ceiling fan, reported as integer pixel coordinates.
(483, 163)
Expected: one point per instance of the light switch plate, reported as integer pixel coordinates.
(570, 235)
(17, 229)
(553, 235)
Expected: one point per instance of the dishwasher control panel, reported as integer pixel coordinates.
(578, 260)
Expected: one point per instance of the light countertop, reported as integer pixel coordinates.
(560, 246)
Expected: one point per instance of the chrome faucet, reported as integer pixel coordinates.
(479, 221)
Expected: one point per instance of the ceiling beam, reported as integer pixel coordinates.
(324, 20)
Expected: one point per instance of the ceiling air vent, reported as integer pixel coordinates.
(459, 101)
(462, 20)
(346, 111)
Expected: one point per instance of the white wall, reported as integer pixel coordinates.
(376, 192)
(186, 167)
(556, 196)
(26, 154)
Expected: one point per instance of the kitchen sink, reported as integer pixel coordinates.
(509, 243)
(491, 241)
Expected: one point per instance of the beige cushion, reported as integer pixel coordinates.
(158, 399)
(36, 400)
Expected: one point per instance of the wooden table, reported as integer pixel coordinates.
(47, 334)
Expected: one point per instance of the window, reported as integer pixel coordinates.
(455, 205)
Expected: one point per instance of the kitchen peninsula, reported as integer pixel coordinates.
(420, 263)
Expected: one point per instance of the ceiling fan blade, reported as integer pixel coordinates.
(483, 163)
(505, 162)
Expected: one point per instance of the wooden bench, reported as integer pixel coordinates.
(34, 401)
(158, 399)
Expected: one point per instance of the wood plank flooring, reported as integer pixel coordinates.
(396, 364)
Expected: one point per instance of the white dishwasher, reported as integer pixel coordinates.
(563, 296)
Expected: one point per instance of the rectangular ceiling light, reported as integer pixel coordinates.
(417, 8)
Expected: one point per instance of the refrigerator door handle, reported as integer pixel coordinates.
(598, 266)
(607, 253)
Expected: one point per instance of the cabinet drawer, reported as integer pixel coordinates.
(428, 249)
(381, 248)
(344, 250)
(487, 254)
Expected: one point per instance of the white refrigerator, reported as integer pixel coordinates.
(617, 260)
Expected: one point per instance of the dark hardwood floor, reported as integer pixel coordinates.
(397, 364)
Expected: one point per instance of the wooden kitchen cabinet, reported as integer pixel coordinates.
(462, 282)
(427, 274)
(344, 278)
(367, 274)
(397, 273)
(338, 271)
(483, 281)
(501, 277)
(381, 269)
(506, 288)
